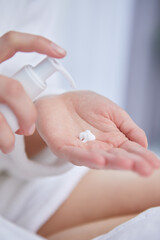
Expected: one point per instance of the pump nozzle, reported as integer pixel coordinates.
(33, 81)
(48, 66)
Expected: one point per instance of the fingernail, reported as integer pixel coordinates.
(31, 129)
(57, 49)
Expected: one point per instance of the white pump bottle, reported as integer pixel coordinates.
(33, 80)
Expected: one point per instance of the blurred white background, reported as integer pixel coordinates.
(97, 36)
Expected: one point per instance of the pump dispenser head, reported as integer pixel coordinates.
(33, 80)
(48, 66)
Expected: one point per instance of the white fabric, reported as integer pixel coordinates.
(45, 164)
(30, 203)
(143, 227)
(10, 231)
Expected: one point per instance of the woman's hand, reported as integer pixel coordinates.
(119, 144)
(12, 92)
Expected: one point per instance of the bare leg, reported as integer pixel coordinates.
(105, 194)
(90, 230)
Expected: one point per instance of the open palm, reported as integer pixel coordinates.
(119, 143)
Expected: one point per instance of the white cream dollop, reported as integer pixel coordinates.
(86, 136)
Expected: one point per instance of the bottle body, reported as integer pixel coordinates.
(33, 81)
(33, 87)
(30, 81)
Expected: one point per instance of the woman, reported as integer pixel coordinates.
(53, 204)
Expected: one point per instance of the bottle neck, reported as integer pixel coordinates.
(44, 69)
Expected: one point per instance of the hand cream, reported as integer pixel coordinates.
(86, 136)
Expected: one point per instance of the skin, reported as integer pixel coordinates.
(90, 230)
(119, 144)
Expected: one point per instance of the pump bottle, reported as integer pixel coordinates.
(33, 79)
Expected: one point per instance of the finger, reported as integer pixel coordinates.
(129, 128)
(6, 136)
(117, 158)
(13, 94)
(143, 168)
(82, 157)
(101, 160)
(121, 159)
(147, 155)
(13, 42)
